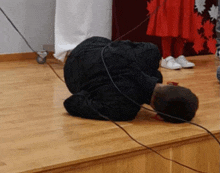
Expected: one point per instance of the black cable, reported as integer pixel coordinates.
(145, 146)
(28, 43)
(102, 56)
(148, 17)
(17, 29)
(55, 72)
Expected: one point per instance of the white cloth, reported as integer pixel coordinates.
(76, 20)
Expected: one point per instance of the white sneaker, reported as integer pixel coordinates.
(170, 63)
(183, 62)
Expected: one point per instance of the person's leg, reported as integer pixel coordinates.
(178, 46)
(218, 32)
(178, 53)
(166, 46)
(217, 28)
(82, 105)
(168, 60)
(79, 105)
(218, 74)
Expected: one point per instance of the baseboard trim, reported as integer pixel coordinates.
(21, 56)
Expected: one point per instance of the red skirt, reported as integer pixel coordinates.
(175, 18)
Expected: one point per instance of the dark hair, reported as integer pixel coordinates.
(176, 101)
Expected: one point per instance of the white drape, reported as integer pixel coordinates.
(76, 20)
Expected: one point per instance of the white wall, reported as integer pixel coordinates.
(34, 19)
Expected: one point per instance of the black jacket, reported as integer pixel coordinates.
(133, 68)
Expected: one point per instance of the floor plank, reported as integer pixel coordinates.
(36, 133)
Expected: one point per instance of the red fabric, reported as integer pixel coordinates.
(129, 14)
(166, 46)
(178, 45)
(175, 18)
(172, 46)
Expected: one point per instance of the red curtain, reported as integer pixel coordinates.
(129, 14)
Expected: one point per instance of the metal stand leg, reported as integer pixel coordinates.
(41, 59)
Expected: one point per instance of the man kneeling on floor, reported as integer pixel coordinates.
(133, 68)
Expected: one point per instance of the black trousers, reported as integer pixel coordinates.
(83, 105)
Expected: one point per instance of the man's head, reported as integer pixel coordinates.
(176, 101)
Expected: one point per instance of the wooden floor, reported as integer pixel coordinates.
(37, 135)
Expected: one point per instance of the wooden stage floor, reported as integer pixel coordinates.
(37, 135)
